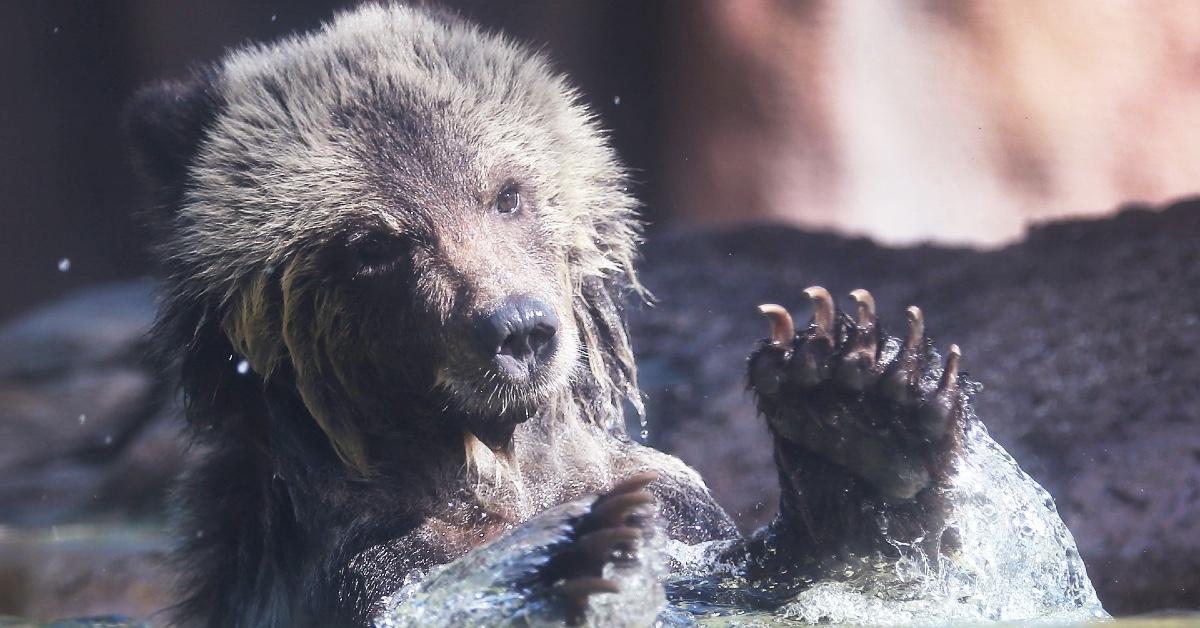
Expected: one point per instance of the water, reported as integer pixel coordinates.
(478, 589)
(1017, 562)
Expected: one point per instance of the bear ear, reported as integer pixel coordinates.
(165, 124)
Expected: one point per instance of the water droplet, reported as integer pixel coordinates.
(64, 264)
(108, 440)
(56, 29)
(645, 434)
(617, 100)
(243, 367)
(82, 419)
(273, 17)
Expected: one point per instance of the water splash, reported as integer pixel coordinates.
(1015, 561)
(478, 589)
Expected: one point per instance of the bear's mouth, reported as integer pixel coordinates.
(495, 433)
(491, 416)
(492, 410)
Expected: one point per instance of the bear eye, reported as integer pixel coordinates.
(509, 199)
(375, 251)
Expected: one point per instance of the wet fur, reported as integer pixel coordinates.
(263, 166)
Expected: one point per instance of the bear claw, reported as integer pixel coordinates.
(576, 592)
(823, 310)
(857, 368)
(608, 533)
(937, 414)
(600, 546)
(900, 382)
(783, 330)
(916, 328)
(950, 374)
(866, 306)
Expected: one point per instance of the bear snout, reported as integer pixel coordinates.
(519, 336)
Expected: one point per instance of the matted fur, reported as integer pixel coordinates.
(274, 178)
(389, 120)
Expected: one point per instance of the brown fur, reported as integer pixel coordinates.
(331, 220)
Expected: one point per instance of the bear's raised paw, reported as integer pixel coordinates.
(882, 408)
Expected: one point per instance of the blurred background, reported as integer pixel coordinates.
(957, 122)
(952, 121)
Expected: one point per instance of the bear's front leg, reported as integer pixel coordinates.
(582, 562)
(867, 428)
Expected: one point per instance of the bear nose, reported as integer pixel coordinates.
(519, 334)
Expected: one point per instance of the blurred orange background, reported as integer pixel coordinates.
(954, 121)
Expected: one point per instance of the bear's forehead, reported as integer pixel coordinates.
(383, 111)
(388, 114)
(396, 70)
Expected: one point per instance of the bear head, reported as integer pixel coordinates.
(405, 223)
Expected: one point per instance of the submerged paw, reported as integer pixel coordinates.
(609, 533)
(846, 391)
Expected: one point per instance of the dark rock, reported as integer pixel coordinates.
(89, 431)
(87, 425)
(84, 571)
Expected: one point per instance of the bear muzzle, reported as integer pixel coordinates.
(519, 338)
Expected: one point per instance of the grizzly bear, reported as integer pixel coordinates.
(394, 257)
